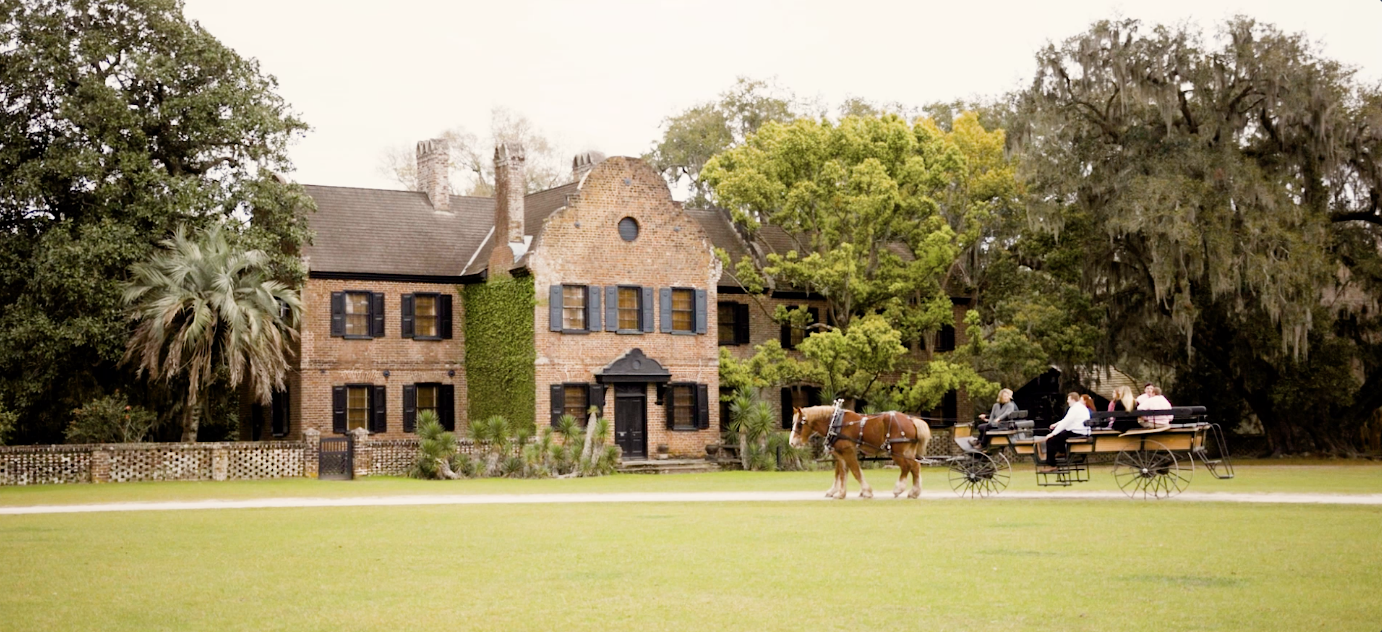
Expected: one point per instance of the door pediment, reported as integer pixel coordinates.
(633, 366)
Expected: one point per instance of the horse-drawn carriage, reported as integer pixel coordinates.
(1149, 462)
(1153, 462)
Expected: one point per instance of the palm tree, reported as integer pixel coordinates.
(204, 310)
(751, 419)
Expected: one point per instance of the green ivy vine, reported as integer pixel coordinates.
(499, 351)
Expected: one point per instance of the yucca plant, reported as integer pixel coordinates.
(752, 420)
(436, 448)
(496, 433)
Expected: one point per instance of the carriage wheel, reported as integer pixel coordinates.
(1152, 472)
(978, 475)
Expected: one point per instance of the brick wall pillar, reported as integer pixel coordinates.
(100, 464)
(364, 452)
(310, 453)
(220, 462)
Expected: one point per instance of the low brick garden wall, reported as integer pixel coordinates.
(128, 462)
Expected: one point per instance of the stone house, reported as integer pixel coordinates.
(629, 307)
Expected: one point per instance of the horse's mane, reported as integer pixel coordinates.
(812, 413)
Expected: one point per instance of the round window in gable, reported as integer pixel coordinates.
(628, 229)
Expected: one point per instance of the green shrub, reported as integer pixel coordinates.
(110, 419)
(436, 447)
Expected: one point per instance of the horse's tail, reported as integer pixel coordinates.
(923, 435)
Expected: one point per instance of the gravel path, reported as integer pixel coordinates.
(662, 497)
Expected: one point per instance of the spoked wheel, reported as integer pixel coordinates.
(978, 475)
(1152, 472)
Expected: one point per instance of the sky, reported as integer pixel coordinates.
(603, 75)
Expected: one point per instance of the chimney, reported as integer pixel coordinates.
(510, 185)
(583, 163)
(433, 172)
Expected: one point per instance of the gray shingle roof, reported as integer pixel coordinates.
(394, 232)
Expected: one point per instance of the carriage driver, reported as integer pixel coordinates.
(1001, 410)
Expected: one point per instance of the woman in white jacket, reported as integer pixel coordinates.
(1071, 424)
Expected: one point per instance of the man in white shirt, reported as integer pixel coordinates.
(1153, 400)
(1071, 424)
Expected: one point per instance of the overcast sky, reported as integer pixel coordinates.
(603, 75)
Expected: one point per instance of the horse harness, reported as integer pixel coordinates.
(837, 425)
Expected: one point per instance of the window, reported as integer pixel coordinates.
(357, 407)
(628, 229)
(425, 316)
(684, 407)
(357, 314)
(798, 397)
(683, 310)
(630, 309)
(725, 314)
(573, 307)
(427, 399)
(945, 338)
(793, 336)
(575, 401)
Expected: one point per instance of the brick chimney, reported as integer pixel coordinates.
(510, 179)
(583, 163)
(434, 170)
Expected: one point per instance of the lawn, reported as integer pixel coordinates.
(1346, 477)
(932, 566)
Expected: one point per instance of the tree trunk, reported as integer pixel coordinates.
(191, 418)
(587, 449)
(444, 467)
(744, 449)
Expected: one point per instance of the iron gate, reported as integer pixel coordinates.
(336, 459)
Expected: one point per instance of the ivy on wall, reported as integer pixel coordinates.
(499, 351)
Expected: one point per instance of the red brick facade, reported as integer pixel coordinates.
(581, 244)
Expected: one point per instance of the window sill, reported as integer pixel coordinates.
(426, 338)
(686, 429)
(358, 337)
(630, 332)
(578, 332)
(683, 333)
(731, 344)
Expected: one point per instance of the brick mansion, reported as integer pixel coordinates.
(629, 306)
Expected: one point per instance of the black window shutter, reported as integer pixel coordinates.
(338, 313)
(444, 305)
(554, 308)
(813, 395)
(558, 403)
(612, 308)
(379, 402)
(338, 409)
(409, 408)
(596, 398)
(671, 405)
(376, 313)
(446, 406)
(281, 411)
(702, 406)
(701, 321)
(786, 408)
(786, 336)
(405, 315)
(741, 323)
(950, 407)
(664, 296)
(592, 308)
(647, 320)
(815, 313)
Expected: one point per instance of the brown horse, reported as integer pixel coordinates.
(900, 436)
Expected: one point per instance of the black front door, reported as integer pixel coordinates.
(631, 419)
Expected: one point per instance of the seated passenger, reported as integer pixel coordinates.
(1072, 424)
(1123, 402)
(1155, 401)
(1003, 408)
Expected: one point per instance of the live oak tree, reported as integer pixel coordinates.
(1222, 198)
(879, 212)
(121, 122)
(695, 135)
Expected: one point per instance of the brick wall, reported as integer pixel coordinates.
(326, 361)
(127, 462)
(581, 245)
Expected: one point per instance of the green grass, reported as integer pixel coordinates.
(933, 566)
(1350, 477)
